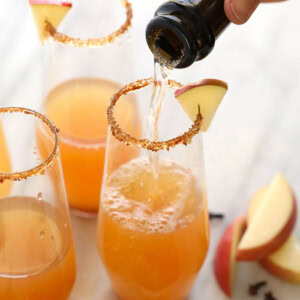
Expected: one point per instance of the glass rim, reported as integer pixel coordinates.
(93, 42)
(119, 134)
(38, 169)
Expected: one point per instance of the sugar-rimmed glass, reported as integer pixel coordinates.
(81, 76)
(37, 259)
(153, 222)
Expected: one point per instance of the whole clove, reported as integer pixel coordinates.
(216, 216)
(254, 288)
(269, 296)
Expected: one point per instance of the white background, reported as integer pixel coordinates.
(256, 131)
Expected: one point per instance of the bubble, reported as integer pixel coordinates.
(187, 220)
(163, 222)
(161, 227)
(39, 197)
(114, 214)
(143, 221)
(170, 212)
(148, 211)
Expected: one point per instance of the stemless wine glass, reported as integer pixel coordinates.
(153, 222)
(81, 76)
(37, 259)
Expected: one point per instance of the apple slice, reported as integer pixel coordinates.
(207, 93)
(272, 224)
(285, 262)
(255, 203)
(224, 261)
(52, 11)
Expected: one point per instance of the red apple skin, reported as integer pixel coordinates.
(264, 251)
(224, 266)
(192, 85)
(50, 2)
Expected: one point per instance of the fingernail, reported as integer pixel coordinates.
(243, 9)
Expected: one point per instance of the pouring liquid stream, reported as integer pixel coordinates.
(161, 76)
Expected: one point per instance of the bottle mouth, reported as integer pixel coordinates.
(170, 43)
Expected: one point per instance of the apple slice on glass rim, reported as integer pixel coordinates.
(52, 11)
(206, 94)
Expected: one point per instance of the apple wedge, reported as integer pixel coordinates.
(271, 224)
(255, 203)
(207, 93)
(224, 261)
(285, 262)
(52, 11)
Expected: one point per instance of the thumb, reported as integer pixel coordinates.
(239, 11)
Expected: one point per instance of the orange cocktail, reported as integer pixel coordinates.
(5, 187)
(152, 230)
(37, 255)
(78, 108)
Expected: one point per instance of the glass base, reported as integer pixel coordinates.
(83, 214)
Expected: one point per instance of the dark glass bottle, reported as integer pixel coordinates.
(184, 31)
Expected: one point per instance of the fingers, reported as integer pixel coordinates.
(239, 11)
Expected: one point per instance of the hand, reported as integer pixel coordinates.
(239, 11)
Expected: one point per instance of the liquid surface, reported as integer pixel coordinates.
(145, 225)
(30, 240)
(78, 108)
(36, 251)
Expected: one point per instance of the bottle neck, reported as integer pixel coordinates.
(214, 13)
(183, 32)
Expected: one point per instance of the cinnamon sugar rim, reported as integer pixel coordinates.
(119, 134)
(17, 176)
(93, 42)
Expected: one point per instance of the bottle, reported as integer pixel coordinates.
(184, 31)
